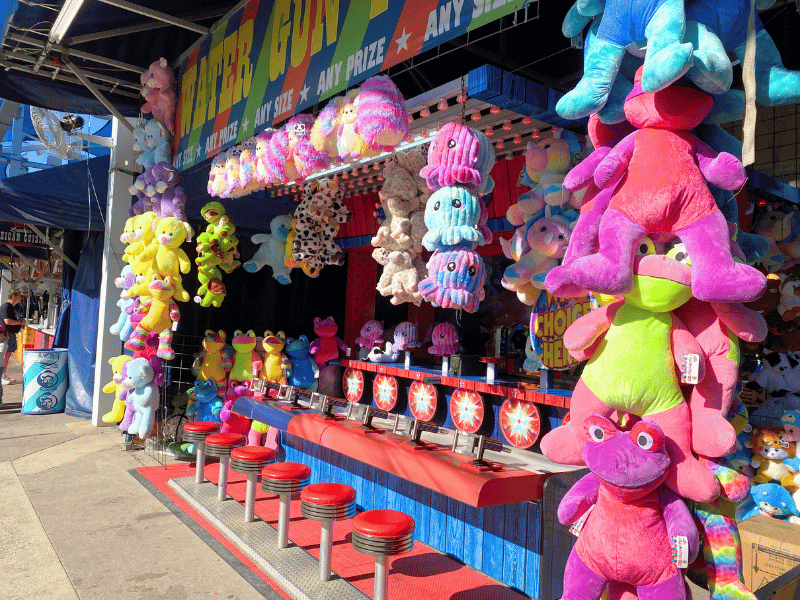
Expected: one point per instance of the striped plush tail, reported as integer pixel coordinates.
(722, 551)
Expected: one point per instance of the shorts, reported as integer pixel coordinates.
(12, 342)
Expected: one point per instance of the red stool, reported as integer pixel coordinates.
(283, 479)
(250, 460)
(221, 445)
(382, 533)
(326, 503)
(196, 432)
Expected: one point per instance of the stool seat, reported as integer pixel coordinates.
(202, 427)
(286, 471)
(383, 524)
(256, 454)
(328, 494)
(223, 440)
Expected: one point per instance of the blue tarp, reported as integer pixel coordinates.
(62, 197)
(85, 306)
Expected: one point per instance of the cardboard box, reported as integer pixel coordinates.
(770, 548)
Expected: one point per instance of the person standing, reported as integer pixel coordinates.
(12, 325)
(3, 347)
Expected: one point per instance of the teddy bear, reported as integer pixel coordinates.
(678, 201)
(327, 346)
(158, 143)
(160, 312)
(624, 338)
(117, 412)
(168, 186)
(166, 257)
(158, 89)
(789, 304)
(773, 457)
(771, 500)
(631, 534)
(271, 249)
(207, 403)
(401, 275)
(144, 395)
(400, 197)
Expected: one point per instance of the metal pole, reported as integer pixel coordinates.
(250, 499)
(47, 240)
(381, 578)
(97, 93)
(80, 54)
(283, 520)
(158, 16)
(222, 485)
(115, 83)
(325, 546)
(200, 467)
(26, 261)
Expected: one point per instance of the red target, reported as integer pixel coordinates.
(353, 384)
(466, 410)
(384, 391)
(422, 399)
(520, 423)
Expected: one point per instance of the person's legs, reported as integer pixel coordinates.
(12, 347)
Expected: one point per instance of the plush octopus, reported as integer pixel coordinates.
(405, 337)
(455, 279)
(452, 215)
(371, 332)
(453, 158)
(445, 340)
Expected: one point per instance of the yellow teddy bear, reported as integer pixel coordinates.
(117, 412)
(165, 256)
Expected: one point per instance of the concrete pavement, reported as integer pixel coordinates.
(76, 525)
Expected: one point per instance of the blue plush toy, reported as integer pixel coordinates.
(768, 499)
(623, 22)
(143, 394)
(207, 403)
(451, 216)
(272, 250)
(304, 367)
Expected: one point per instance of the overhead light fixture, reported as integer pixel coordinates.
(64, 19)
(495, 110)
(476, 116)
(536, 134)
(425, 112)
(442, 104)
(489, 131)
(526, 120)
(507, 125)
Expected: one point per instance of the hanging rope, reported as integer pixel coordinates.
(749, 80)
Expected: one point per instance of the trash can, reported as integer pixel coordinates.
(44, 381)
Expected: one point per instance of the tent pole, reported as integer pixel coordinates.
(119, 201)
(97, 93)
(158, 16)
(47, 241)
(26, 261)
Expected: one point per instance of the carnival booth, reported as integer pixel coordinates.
(548, 332)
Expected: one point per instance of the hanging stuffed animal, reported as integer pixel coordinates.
(349, 143)
(117, 412)
(271, 249)
(381, 114)
(323, 132)
(455, 279)
(453, 158)
(647, 199)
(167, 258)
(217, 179)
(247, 167)
(451, 216)
(160, 312)
(234, 186)
(631, 534)
(261, 174)
(144, 395)
(158, 89)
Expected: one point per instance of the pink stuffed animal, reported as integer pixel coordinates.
(158, 89)
(262, 175)
(327, 346)
(444, 340)
(453, 158)
(381, 113)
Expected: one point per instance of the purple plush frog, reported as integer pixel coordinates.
(405, 337)
(371, 332)
(453, 158)
(455, 279)
(638, 532)
(444, 340)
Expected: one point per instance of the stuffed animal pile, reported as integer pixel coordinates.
(367, 121)
(160, 190)
(398, 242)
(459, 162)
(663, 349)
(217, 252)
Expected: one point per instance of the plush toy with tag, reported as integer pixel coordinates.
(117, 412)
(327, 346)
(160, 312)
(247, 362)
(158, 89)
(271, 249)
(773, 457)
(453, 157)
(381, 114)
(623, 340)
(650, 198)
(144, 395)
(638, 531)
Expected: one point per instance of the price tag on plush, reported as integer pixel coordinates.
(680, 551)
(576, 527)
(690, 369)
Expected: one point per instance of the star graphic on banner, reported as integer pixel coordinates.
(197, 152)
(402, 41)
(245, 123)
(304, 93)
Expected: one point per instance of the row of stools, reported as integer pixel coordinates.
(379, 533)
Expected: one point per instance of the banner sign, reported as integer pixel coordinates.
(19, 235)
(271, 60)
(550, 318)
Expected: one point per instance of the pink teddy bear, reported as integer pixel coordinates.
(158, 88)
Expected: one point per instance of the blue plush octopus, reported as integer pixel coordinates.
(451, 216)
(455, 279)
